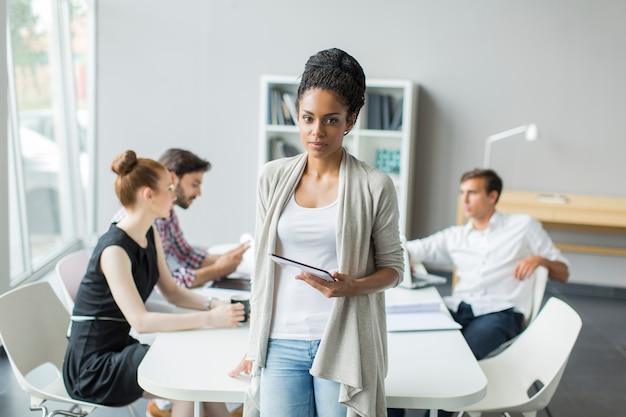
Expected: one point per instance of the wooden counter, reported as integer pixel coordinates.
(580, 213)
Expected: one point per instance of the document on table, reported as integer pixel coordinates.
(418, 315)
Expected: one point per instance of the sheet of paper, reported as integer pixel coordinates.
(407, 322)
(413, 306)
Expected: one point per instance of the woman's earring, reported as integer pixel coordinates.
(346, 132)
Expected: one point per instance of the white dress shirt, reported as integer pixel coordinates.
(485, 260)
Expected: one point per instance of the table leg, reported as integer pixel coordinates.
(433, 412)
(196, 409)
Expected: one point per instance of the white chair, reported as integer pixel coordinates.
(70, 270)
(524, 377)
(540, 279)
(33, 327)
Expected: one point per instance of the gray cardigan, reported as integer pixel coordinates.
(353, 350)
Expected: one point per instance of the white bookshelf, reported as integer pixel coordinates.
(388, 149)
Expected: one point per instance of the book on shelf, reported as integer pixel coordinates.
(396, 120)
(386, 111)
(278, 107)
(281, 107)
(374, 111)
(281, 149)
(270, 109)
(273, 107)
(381, 112)
(289, 101)
(286, 114)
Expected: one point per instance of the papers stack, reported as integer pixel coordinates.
(413, 306)
(418, 316)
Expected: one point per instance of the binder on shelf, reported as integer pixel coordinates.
(281, 149)
(274, 106)
(290, 150)
(276, 148)
(278, 107)
(396, 120)
(386, 111)
(270, 106)
(287, 114)
(374, 111)
(290, 101)
(281, 108)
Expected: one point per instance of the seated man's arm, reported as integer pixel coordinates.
(557, 270)
(433, 248)
(544, 251)
(217, 266)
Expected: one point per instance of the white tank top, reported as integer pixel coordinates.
(307, 235)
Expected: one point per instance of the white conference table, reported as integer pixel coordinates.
(427, 369)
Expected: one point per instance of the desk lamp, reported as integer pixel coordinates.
(531, 131)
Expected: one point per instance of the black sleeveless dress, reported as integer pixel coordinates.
(102, 358)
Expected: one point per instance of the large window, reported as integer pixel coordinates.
(50, 50)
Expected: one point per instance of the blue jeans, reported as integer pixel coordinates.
(287, 387)
(485, 333)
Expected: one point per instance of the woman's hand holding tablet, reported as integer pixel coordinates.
(318, 272)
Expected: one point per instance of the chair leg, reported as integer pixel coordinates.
(67, 413)
(44, 411)
(132, 411)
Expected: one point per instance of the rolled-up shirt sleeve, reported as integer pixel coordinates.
(433, 248)
(183, 258)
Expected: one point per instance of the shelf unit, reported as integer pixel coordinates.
(388, 147)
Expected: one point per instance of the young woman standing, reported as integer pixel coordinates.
(319, 347)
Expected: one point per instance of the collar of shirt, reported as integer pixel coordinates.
(495, 221)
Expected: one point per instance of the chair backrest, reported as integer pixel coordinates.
(540, 353)
(71, 269)
(33, 328)
(540, 279)
(33, 325)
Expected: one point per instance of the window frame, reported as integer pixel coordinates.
(78, 222)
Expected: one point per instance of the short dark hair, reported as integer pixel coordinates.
(335, 70)
(493, 182)
(181, 162)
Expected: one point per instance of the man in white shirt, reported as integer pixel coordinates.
(494, 254)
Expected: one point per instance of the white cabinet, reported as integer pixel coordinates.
(383, 136)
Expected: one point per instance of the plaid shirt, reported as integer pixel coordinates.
(182, 258)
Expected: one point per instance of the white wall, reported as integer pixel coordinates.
(187, 74)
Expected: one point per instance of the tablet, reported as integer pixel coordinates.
(318, 272)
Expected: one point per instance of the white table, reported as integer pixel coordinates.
(427, 369)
